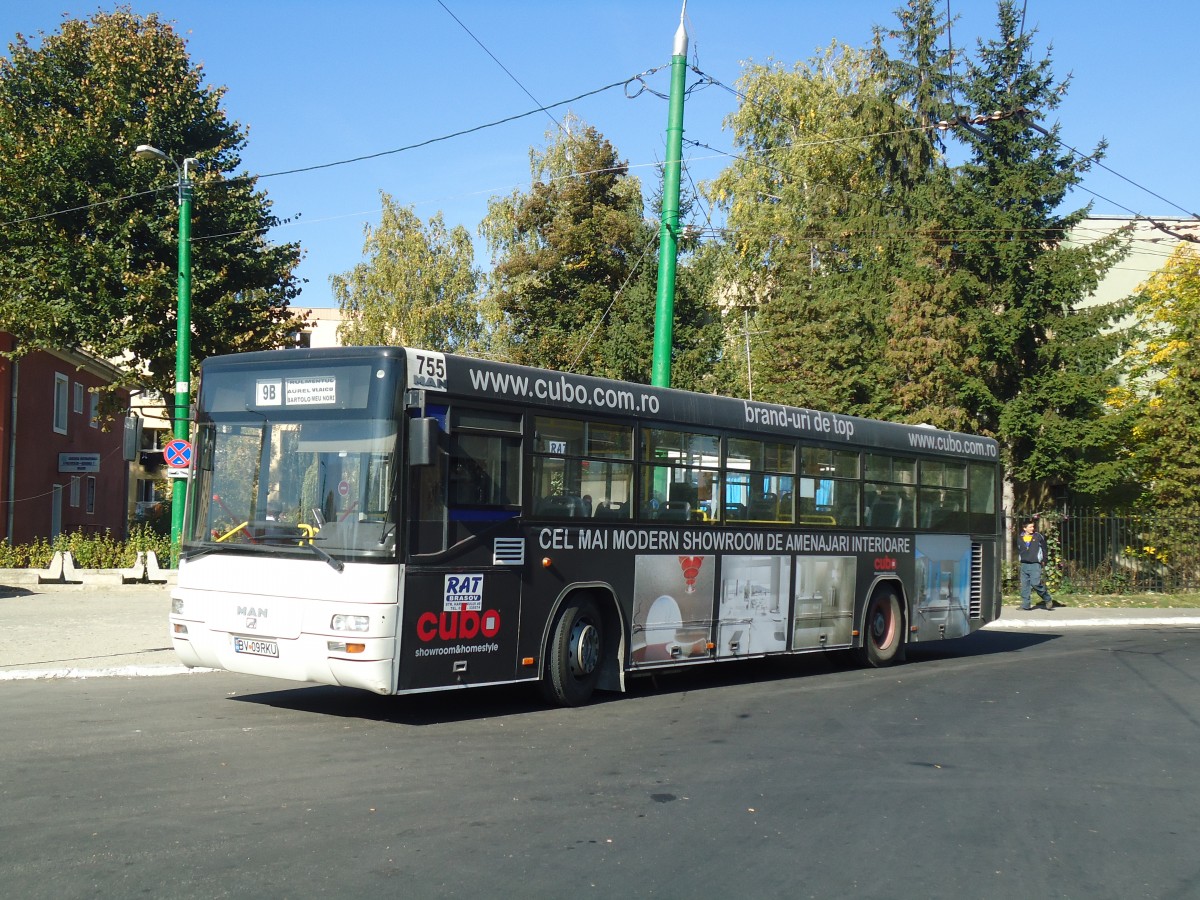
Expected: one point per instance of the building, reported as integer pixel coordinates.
(1149, 249)
(323, 328)
(62, 461)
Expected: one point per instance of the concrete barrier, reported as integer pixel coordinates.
(154, 574)
(62, 570)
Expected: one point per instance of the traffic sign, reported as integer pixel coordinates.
(177, 453)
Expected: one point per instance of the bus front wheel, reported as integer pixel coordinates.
(883, 632)
(574, 655)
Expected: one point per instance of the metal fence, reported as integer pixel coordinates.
(1096, 552)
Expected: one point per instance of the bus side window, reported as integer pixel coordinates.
(581, 469)
(485, 459)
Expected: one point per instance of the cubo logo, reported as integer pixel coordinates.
(452, 626)
(885, 564)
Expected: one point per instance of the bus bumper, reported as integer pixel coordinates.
(307, 657)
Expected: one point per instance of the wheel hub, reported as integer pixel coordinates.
(585, 648)
(881, 626)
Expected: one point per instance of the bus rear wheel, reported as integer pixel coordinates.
(883, 632)
(574, 655)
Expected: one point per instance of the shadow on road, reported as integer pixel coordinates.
(509, 700)
(982, 643)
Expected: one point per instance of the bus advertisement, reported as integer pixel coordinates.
(401, 521)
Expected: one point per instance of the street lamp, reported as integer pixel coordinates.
(183, 348)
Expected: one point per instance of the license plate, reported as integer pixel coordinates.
(255, 647)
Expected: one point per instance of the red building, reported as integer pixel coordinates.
(62, 468)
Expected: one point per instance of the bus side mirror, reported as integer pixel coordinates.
(422, 441)
(132, 438)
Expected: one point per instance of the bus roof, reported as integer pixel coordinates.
(556, 392)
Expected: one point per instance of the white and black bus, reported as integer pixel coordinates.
(401, 521)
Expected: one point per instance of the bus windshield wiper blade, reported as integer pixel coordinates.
(336, 564)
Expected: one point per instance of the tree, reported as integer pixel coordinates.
(418, 286)
(565, 251)
(813, 230)
(88, 235)
(919, 78)
(1163, 391)
(1047, 361)
(576, 266)
(927, 360)
(935, 377)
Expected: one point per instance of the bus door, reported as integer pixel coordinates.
(461, 593)
(943, 583)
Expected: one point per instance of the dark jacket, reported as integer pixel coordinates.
(1032, 550)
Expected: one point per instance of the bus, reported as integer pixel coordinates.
(401, 521)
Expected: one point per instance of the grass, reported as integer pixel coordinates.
(1119, 601)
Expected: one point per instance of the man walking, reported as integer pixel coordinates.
(1031, 550)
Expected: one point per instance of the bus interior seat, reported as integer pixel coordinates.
(945, 513)
(611, 509)
(764, 507)
(846, 513)
(885, 512)
(675, 511)
(561, 506)
(683, 492)
(735, 511)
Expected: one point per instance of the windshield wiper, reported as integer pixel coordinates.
(336, 564)
(279, 534)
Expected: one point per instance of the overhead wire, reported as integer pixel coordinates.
(227, 182)
(64, 212)
(616, 295)
(1021, 112)
(456, 134)
(639, 80)
(496, 60)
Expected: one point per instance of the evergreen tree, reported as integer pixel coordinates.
(563, 251)
(810, 232)
(919, 78)
(575, 269)
(933, 375)
(1046, 361)
(88, 244)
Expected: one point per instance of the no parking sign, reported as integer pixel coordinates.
(178, 456)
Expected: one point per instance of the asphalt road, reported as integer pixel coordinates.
(1023, 763)
(76, 631)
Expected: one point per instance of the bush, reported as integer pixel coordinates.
(89, 550)
(26, 556)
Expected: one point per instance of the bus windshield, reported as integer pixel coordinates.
(276, 483)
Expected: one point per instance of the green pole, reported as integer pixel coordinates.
(183, 348)
(668, 242)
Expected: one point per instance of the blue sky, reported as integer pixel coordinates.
(319, 82)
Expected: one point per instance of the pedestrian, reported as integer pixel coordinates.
(1031, 550)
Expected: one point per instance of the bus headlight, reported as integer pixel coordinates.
(350, 623)
(177, 605)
